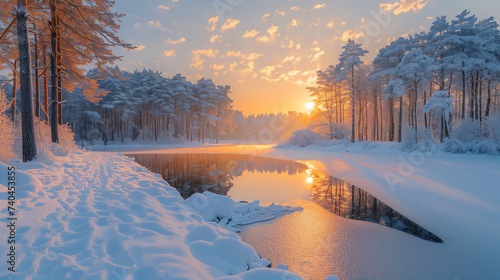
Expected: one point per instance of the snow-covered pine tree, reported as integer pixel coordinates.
(348, 60)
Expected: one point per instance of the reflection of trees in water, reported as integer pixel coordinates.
(196, 173)
(351, 202)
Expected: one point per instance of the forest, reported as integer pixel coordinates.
(426, 85)
(145, 106)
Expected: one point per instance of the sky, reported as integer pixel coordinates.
(268, 51)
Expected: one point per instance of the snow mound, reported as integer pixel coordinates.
(304, 137)
(229, 214)
(26, 185)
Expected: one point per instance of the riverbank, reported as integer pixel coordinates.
(94, 215)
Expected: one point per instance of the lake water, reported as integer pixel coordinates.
(339, 219)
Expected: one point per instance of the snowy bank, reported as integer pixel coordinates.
(90, 215)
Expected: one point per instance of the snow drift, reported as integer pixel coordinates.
(91, 215)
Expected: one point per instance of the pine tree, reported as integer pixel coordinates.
(349, 59)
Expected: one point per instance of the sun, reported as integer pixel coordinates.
(310, 106)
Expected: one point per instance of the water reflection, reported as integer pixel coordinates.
(351, 202)
(196, 173)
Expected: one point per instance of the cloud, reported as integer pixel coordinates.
(331, 24)
(272, 31)
(217, 67)
(250, 34)
(171, 42)
(263, 39)
(198, 61)
(154, 23)
(249, 69)
(213, 23)
(351, 34)
(157, 25)
(289, 46)
(404, 6)
(268, 70)
(244, 57)
(318, 53)
(232, 54)
(251, 56)
(294, 8)
(279, 13)
(265, 17)
(293, 23)
(163, 7)
(215, 38)
(319, 6)
(310, 82)
(288, 58)
(140, 48)
(230, 24)
(169, 53)
(208, 53)
(232, 66)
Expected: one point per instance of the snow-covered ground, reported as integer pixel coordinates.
(100, 216)
(91, 215)
(455, 196)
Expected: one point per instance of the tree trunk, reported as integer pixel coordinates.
(28, 126)
(45, 91)
(416, 112)
(391, 119)
(476, 103)
(481, 100)
(471, 98)
(59, 79)
(488, 102)
(425, 102)
(441, 140)
(14, 93)
(53, 73)
(353, 135)
(400, 133)
(37, 81)
(375, 117)
(463, 92)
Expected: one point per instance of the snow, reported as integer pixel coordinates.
(304, 137)
(91, 215)
(456, 196)
(229, 214)
(6, 128)
(94, 215)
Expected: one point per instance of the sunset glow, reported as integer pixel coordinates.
(267, 51)
(250, 139)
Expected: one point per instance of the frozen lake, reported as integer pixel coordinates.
(343, 230)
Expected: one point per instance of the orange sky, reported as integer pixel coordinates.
(269, 51)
